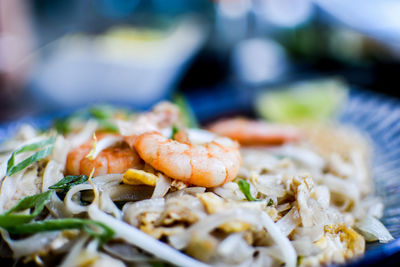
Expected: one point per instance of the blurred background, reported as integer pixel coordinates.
(61, 55)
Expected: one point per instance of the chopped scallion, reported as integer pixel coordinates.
(47, 149)
(93, 228)
(245, 188)
(101, 112)
(35, 202)
(107, 125)
(18, 223)
(175, 130)
(69, 181)
(187, 113)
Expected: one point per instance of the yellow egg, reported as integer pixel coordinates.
(139, 177)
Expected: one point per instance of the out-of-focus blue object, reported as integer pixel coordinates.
(259, 60)
(240, 19)
(127, 65)
(176, 7)
(117, 8)
(377, 18)
(283, 13)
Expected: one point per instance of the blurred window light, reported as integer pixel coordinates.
(284, 13)
(234, 8)
(259, 60)
(232, 20)
(380, 19)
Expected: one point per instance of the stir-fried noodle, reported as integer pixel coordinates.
(135, 189)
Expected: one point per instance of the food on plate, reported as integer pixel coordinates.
(116, 157)
(113, 187)
(252, 132)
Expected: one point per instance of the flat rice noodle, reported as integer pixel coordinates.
(234, 249)
(60, 150)
(289, 222)
(30, 245)
(53, 173)
(71, 205)
(258, 219)
(132, 210)
(162, 186)
(136, 237)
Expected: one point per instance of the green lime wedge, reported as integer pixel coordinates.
(303, 101)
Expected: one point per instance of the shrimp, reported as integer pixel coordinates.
(209, 165)
(252, 132)
(115, 159)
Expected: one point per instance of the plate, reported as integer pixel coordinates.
(376, 115)
(379, 117)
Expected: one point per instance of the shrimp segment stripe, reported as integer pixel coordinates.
(223, 149)
(209, 165)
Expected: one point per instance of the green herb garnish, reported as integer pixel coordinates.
(175, 130)
(270, 202)
(107, 125)
(47, 149)
(19, 223)
(245, 188)
(188, 117)
(89, 226)
(37, 202)
(101, 112)
(69, 181)
(62, 126)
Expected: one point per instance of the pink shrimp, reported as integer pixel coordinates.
(208, 165)
(115, 159)
(252, 132)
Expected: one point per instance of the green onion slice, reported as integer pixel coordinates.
(19, 223)
(245, 188)
(175, 130)
(69, 181)
(47, 149)
(34, 203)
(187, 113)
(93, 228)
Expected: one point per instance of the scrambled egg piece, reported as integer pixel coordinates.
(173, 220)
(202, 247)
(91, 259)
(213, 204)
(139, 177)
(338, 244)
(148, 225)
(354, 243)
(177, 212)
